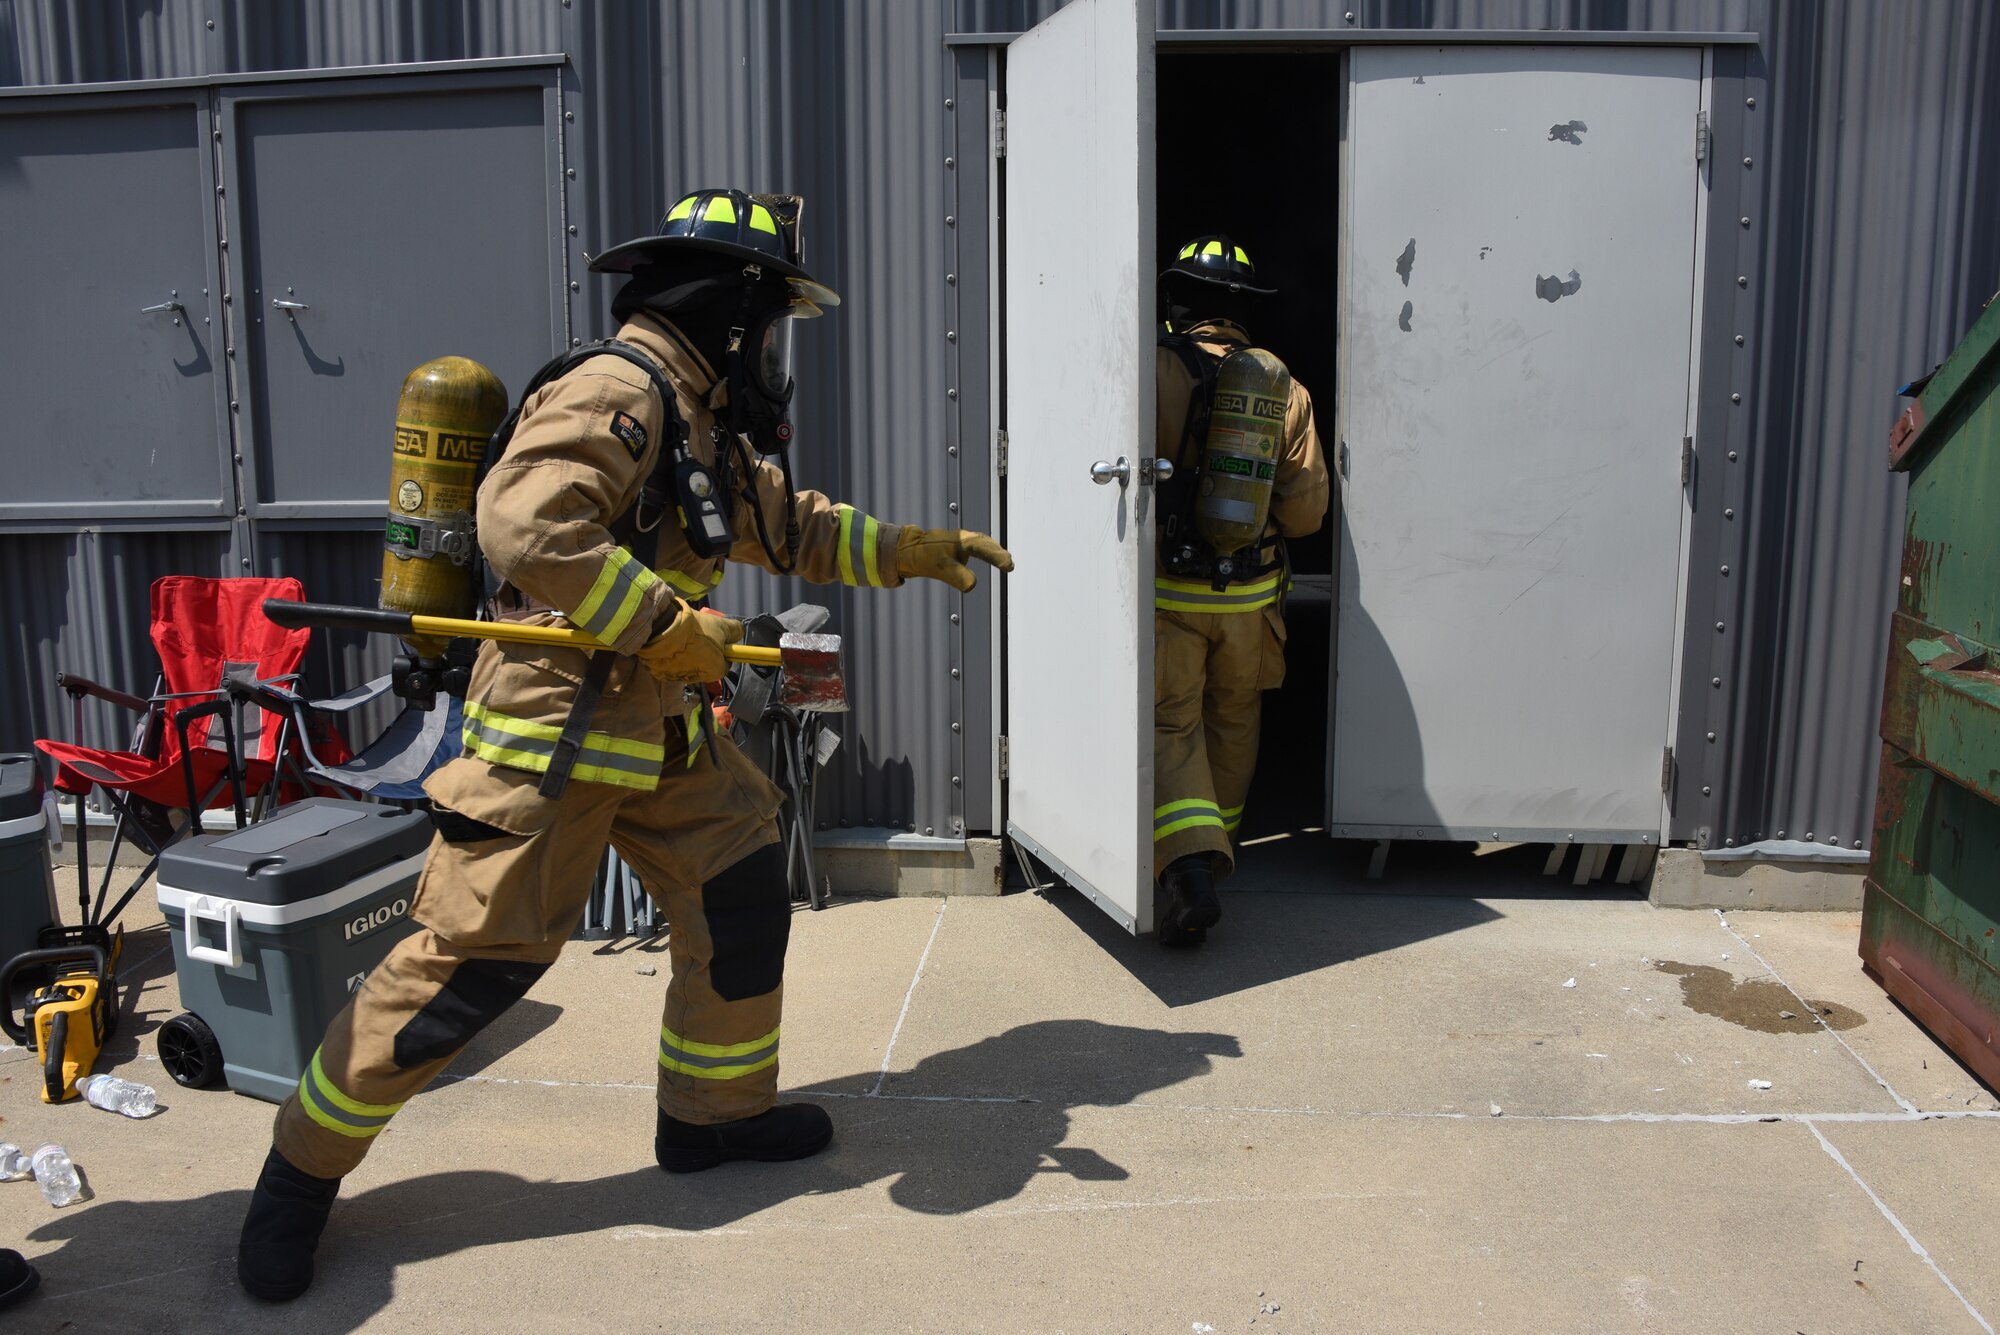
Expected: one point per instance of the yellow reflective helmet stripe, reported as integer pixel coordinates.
(1241, 258)
(721, 209)
(1212, 248)
(1187, 251)
(762, 221)
(682, 209)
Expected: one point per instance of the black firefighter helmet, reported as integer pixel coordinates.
(761, 230)
(1217, 259)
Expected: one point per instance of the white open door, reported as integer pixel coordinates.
(1517, 322)
(1079, 330)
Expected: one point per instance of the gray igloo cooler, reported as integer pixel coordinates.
(27, 882)
(274, 927)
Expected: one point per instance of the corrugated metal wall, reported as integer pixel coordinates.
(845, 103)
(1874, 238)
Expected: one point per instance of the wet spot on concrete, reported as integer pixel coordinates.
(1757, 1003)
(1553, 288)
(1407, 261)
(1403, 320)
(1484, 251)
(1569, 133)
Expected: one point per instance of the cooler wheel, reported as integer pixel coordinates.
(189, 1051)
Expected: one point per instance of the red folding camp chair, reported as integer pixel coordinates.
(199, 742)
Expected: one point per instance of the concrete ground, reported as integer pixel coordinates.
(1462, 1098)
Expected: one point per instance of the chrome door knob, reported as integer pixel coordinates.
(1120, 472)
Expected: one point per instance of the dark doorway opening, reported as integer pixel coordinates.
(1249, 145)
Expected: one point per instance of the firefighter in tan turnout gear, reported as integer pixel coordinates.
(633, 475)
(1248, 474)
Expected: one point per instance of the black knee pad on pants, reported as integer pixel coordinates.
(749, 912)
(475, 995)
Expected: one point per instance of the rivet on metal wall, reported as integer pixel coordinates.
(1729, 843)
(1742, 280)
(246, 562)
(1747, 162)
(953, 507)
(951, 336)
(951, 280)
(1750, 102)
(1736, 398)
(572, 229)
(1808, 834)
(951, 450)
(949, 103)
(954, 618)
(1350, 16)
(930, 829)
(951, 220)
(951, 393)
(571, 173)
(1718, 626)
(576, 343)
(1716, 682)
(1706, 791)
(1729, 514)
(1739, 340)
(1711, 737)
(211, 25)
(954, 672)
(956, 781)
(569, 115)
(236, 458)
(1781, 834)
(1744, 221)
(1725, 570)
(1732, 456)
(949, 163)
(575, 286)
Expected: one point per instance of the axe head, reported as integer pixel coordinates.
(813, 677)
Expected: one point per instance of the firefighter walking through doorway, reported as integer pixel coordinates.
(1249, 473)
(634, 472)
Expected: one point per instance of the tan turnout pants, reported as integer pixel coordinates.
(1209, 672)
(503, 888)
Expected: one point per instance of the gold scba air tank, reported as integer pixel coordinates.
(1239, 463)
(446, 414)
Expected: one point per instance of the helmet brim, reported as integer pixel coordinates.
(632, 256)
(1234, 285)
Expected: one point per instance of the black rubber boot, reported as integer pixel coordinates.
(788, 1131)
(274, 1260)
(17, 1278)
(1192, 905)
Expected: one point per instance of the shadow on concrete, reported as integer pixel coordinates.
(941, 1156)
(517, 1024)
(1270, 937)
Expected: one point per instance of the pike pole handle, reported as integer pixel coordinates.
(294, 615)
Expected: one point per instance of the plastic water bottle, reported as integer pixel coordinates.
(119, 1096)
(56, 1176)
(14, 1164)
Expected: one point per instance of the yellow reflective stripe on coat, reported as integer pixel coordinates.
(1185, 814)
(523, 744)
(1231, 818)
(694, 734)
(691, 586)
(1180, 595)
(716, 1061)
(620, 591)
(859, 546)
(344, 1116)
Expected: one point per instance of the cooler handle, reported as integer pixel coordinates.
(204, 909)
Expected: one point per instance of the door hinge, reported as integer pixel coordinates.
(999, 133)
(1701, 136)
(1000, 451)
(1003, 755)
(1667, 770)
(1687, 460)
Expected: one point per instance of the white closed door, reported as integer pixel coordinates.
(1079, 313)
(1517, 321)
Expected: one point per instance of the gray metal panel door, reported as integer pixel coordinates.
(408, 219)
(1515, 346)
(1079, 313)
(106, 207)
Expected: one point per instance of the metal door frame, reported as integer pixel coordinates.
(149, 515)
(537, 73)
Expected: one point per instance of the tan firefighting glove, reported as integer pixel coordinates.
(690, 648)
(942, 554)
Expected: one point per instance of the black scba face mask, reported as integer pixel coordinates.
(765, 355)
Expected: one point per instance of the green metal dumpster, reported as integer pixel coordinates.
(1932, 903)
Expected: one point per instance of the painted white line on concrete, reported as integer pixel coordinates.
(923, 1098)
(1897, 1224)
(1901, 1102)
(69, 1293)
(922, 960)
